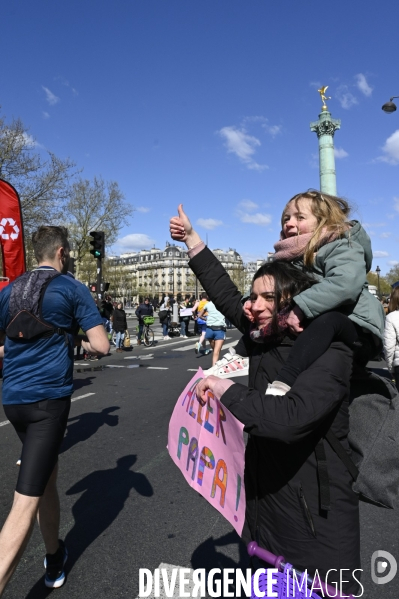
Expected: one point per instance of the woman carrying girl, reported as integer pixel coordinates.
(284, 513)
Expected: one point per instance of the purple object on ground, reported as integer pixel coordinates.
(284, 586)
(285, 582)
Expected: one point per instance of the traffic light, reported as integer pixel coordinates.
(93, 287)
(98, 243)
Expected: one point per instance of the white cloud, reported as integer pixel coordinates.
(314, 161)
(45, 115)
(385, 235)
(66, 83)
(21, 140)
(254, 166)
(248, 205)
(373, 225)
(50, 97)
(135, 242)
(379, 254)
(209, 223)
(27, 140)
(340, 153)
(392, 262)
(391, 149)
(273, 130)
(362, 85)
(255, 218)
(396, 204)
(345, 97)
(238, 142)
(142, 209)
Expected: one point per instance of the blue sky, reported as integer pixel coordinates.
(208, 102)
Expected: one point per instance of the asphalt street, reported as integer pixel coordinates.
(124, 504)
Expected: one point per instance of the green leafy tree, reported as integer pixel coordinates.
(385, 287)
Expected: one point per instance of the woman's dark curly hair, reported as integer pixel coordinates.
(289, 281)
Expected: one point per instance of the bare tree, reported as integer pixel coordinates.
(122, 281)
(41, 179)
(94, 206)
(238, 276)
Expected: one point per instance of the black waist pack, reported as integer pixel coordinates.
(217, 328)
(25, 306)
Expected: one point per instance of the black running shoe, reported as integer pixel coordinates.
(54, 564)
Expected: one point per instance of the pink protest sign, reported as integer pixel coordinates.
(206, 443)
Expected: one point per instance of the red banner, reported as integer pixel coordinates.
(11, 233)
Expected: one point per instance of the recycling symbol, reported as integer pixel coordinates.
(15, 229)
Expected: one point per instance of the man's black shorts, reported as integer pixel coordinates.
(41, 427)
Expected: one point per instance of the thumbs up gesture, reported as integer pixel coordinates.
(182, 230)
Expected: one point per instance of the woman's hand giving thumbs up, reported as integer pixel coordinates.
(182, 230)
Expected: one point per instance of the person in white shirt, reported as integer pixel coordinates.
(391, 336)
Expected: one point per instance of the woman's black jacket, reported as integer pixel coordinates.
(281, 476)
(119, 323)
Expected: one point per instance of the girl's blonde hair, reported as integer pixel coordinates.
(331, 213)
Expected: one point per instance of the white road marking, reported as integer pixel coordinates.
(139, 357)
(228, 345)
(4, 422)
(157, 368)
(81, 396)
(192, 347)
(168, 343)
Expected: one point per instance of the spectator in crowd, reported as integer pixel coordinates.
(143, 310)
(185, 316)
(120, 326)
(164, 316)
(391, 336)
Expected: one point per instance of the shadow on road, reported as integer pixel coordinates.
(103, 498)
(80, 383)
(86, 425)
(206, 555)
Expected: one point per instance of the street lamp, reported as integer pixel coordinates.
(378, 270)
(390, 107)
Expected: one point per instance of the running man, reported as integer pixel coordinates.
(37, 388)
